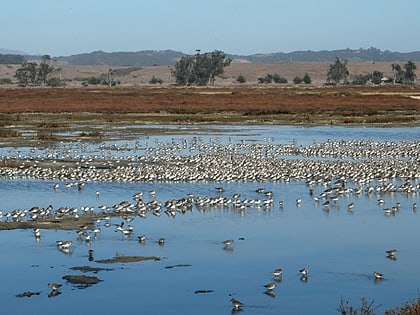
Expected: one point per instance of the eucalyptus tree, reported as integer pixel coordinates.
(338, 72)
(200, 69)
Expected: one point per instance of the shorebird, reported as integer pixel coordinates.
(161, 241)
(91, 258)
(304, 271)
(236, 304)
(142, 238)
(54, 286)
(377, 275)
(270, 286)
(64, 244)
(37, 233)
(391, 252)
(277, 272)
(227, 242)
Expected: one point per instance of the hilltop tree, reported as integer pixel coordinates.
(200, 69)
(338, 72)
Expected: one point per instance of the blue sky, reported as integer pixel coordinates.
(64, 27)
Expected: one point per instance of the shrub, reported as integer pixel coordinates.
(307, 79)
(297, 80)
(360, 79)
(269, 78)
(240, 79)
(54, 82)
(94, 81)
(279, 79)
(155, 80)
(5, 81)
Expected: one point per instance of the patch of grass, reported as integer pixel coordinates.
(7, 133)
(387, 119)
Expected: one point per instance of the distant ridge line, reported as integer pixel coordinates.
(170, 57)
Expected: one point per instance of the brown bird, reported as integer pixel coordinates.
(391, 252)
(236, 304)
(227, 242)
(378, 275)
(270, 286)
(54, 286)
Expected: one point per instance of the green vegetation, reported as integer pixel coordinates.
(200, 69)
(337, 72)
(270, 78)
(297, 80)
(155, 80)
(34, 74)
(406, 76)
(376, 77)
(307, 79)
(240, 79)
(55, 82)
(5, 81)
(360, 79)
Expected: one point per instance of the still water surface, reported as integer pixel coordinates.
(340, 248)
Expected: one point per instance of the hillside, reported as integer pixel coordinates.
(147, 58)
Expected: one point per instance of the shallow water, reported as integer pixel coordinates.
(340, 248)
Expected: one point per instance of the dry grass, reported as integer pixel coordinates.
(251, 71)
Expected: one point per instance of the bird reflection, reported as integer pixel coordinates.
(270, 293)
(228, 248)
(54, 293)
(304, 279)
(391, 257)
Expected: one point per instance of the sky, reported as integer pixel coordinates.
(244, 27)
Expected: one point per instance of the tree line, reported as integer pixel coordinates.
(338, 73)
(202, 69)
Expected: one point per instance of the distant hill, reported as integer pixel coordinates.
(5, 51)
(147, 58)
(141, 58)
(371, 54)
(169, 57)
